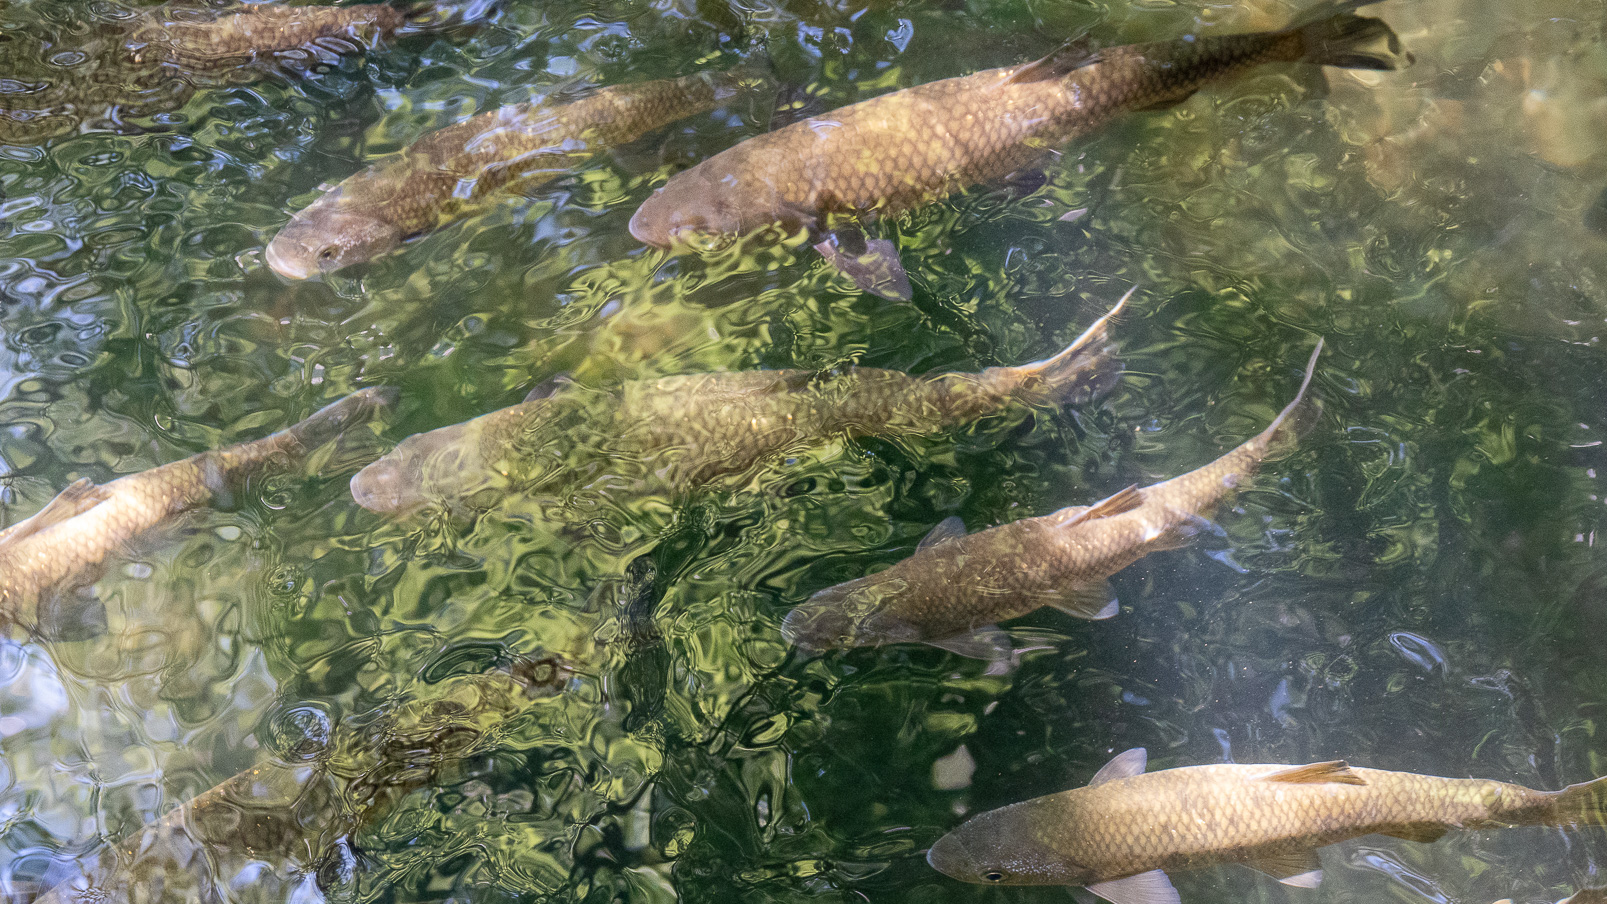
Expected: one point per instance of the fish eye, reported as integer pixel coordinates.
(328, 254)
(993, 875)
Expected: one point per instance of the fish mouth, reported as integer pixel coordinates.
(287, 266)
(643, 233)
(948, 855)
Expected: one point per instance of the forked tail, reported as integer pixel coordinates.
(1333, 35)
(1584, 804)
(328, 423)
(1295, 419)
(1086, 370)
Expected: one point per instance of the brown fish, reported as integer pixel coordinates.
(1120, 835)
(135, 63)
(912, 147)
(956, 586)
(450, 173)
(281, 823)
(680, 432)
(75, 532)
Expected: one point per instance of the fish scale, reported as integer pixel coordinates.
(911, 147)
(451, 172)
(85, 524)
(679, 432)
(1116, 833)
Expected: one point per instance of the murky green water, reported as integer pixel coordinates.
(1416, 588)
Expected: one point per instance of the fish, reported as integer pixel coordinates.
(140, 62)
(827, 175)
(1120, 835)
(298, 815)
(682, 432)
(451, 173)
(64, 542)
(956, 586)
(1582, 896)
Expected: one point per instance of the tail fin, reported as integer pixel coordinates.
(1333, 35)
(1297, 417)
(1087, 369)
(429, 17)
(1581, 804)
(331, 421)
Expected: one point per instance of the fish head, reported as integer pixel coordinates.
(1003, 847)
(327, 237)
(690, 212)
(441, 466)
(853, 614)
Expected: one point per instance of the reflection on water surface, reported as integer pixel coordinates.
(1416, 588)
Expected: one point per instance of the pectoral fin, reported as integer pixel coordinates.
(1301, 869)
(1425, 832)
(79, 497)
(1092, 601)
(1126, 764)
(1337, 771)
(1145, 888)
(872, 264)
(549, 387)
(950, 528)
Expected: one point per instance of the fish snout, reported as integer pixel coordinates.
(389, 486)
(285, 258)
(330, 235)
(645, 225)
(949, 856)
(817, 625)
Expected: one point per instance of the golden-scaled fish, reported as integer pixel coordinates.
(75, 532)
(680, 432)
(138, 62)
(279, 824)
(956, 586)
(450, 173)
(1120, 835)
(883, 156)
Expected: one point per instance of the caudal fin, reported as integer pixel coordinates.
(1296, 418)
(1581, 804)
(329, 422)
(1087, 369)
(1333, 35)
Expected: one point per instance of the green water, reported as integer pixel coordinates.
(1415, 588)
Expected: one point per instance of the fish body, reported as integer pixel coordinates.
(912, 147)
(292, 816)
(955, 586)
(449, 173)
(136, 63)
(687, 430)
(74, 533)
(1120, 835)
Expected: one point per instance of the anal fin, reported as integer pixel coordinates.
(1425, 832)
(1335, 771)
(872, 264)
(988, 643)
(1299, 868)
(1145, 888)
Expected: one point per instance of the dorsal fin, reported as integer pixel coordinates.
(1124, 500)
(1317, 773)
(1126, 764)
(950, 528)
(79, 496)
(549, 387)
(1072, 55)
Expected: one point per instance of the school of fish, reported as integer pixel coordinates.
(841, 179)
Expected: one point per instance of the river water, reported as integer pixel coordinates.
(1416, 587)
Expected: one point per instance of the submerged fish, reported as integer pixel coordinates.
(956, 586)
(75, 532)
(134, 63)
(1121, 834)
(450, 173)
(901, 150)
(280, 823)
(683, 431)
